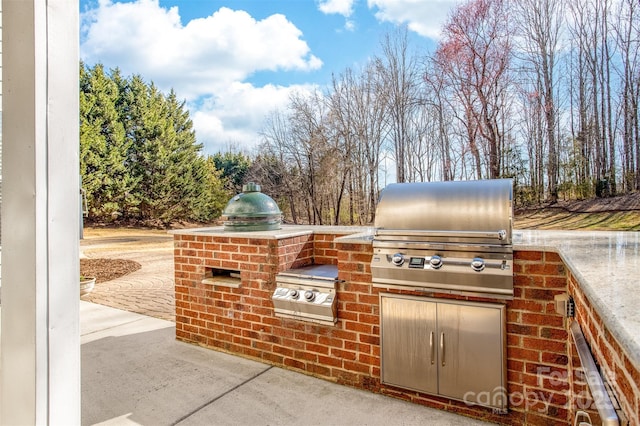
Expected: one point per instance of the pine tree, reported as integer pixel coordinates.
(234, 167)
(139, 154)
(103, 146)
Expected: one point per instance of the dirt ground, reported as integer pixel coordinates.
(620, 213)
(108, 239)
(107, 269)
(622, 203)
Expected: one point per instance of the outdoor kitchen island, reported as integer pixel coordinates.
(225, 285)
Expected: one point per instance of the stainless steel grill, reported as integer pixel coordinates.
(446, 237)
(453, 237)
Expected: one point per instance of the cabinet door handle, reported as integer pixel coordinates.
(442, 348)
(432, 348)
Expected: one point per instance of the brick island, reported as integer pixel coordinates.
(224, 282)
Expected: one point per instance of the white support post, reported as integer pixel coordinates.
(40, 336)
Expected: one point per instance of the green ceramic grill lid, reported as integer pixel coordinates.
(251, 210)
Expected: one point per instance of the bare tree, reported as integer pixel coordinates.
(400, 84)
(310, 149)
(627, 31)
(590, 35)
(275, 149)
(436, 99)
(456, 118)
(359, 115)
(540, 23)
(475, 55)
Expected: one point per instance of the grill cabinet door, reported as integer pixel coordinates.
(471, 349)
(408, 346)
(445, 347)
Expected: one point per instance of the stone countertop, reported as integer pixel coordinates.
(287, 231)
(606, 265)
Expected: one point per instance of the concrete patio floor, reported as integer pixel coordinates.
(134, 372)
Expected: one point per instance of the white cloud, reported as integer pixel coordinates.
(209, 58)
(340, 7)
(350, 25)
(424, 17)
(235, 115)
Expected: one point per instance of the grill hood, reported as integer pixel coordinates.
(455, 211)
(251, 210)
(452, 237)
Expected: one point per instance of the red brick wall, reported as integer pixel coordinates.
(324, 249)
(620, 373)
(241, 320)
(537, 357)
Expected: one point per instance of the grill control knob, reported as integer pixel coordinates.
(477, 264)
(293, 294)
(397, 259)
(309, 295)
(435, 262)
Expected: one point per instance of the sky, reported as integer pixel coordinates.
(234, 62)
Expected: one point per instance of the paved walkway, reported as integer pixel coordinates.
(150, 289)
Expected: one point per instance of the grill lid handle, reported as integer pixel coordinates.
(498, 235)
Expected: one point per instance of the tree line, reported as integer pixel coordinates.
(542, 91)
(139, 160)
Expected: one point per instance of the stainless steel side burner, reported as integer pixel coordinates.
(308, 294)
